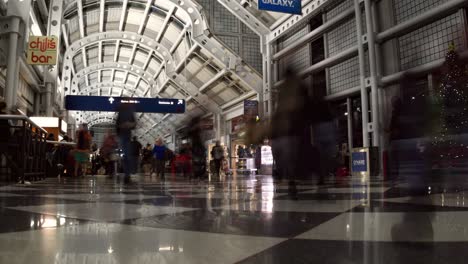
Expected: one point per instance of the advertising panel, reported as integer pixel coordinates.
(281, 6)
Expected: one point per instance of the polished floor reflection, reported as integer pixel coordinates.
(242, 219)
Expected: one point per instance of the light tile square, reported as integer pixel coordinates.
(232, 195)
(103, 211)
(363, 190)
(101, 197)
(115, 243)
(315, 206)
(441, 199)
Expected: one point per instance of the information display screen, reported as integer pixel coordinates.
(111, 104)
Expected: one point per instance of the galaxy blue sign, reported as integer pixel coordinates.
(281, 6)
(111, 104)
(359, 161)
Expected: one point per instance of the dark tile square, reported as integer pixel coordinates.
(183, 202)
(333, 196)
(383, 206)
(14, 221)
(31, 200)
(276, 224)
(298, 251)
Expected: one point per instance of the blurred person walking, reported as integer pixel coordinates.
(159, 153)
(108, 153)
(83, 148)
(147, 159)
(135, 149)
(125, 123)
(217, 153)
(324, 147)
(289, 124)
(198, 151)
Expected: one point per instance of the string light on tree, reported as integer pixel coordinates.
(452, 97)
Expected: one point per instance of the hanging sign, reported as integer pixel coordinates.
(42, 50)
(250, 110)
(281, 6)
(111, 104)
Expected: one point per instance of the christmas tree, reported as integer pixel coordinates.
(452, 100)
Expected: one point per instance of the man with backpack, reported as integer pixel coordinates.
(218, 155)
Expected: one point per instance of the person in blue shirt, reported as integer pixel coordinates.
(159, 154)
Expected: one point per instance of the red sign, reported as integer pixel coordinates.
(42, 50)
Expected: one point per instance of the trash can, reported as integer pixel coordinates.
(365, 162)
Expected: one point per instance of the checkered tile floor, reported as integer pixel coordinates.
(243, 219)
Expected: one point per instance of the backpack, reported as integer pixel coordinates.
(218, 153)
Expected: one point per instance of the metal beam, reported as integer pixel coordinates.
(80, 18)
(85, 60)
(102, 8)
(112, 75)
(65, 36)
(189, 53)
(179, 39)
(428, 17)
(117, 50)
(328, 62)
(373, 74)
(215, 78)
(86, 79)
(238, 100)
(145, 16)
(148, 59)
(123, 14)
(165, 23)
(100, 53)
(362, 74)
(161, 67)
(315, 34)
(289, 22)
(132, 55)
(195, 73)
(255, 24)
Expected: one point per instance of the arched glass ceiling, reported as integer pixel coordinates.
(150, 48)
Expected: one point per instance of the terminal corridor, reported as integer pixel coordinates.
(233, 131)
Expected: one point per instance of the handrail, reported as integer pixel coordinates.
(21, 117)
(61, 143)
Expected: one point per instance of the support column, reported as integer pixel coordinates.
(265, 97)
(217, 120)
(349, 109)
(11, 90)
(373, 79)
(54, 28)
(48, 99)
(362, 71)
(36, 104)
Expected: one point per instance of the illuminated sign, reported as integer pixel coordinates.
(281, 6)
(267, 155)
(111, 104)
(359, 161)
(42, 50)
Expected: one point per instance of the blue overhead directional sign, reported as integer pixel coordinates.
(111, 104)
(282, 6)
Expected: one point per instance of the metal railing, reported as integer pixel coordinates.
(24, 150)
